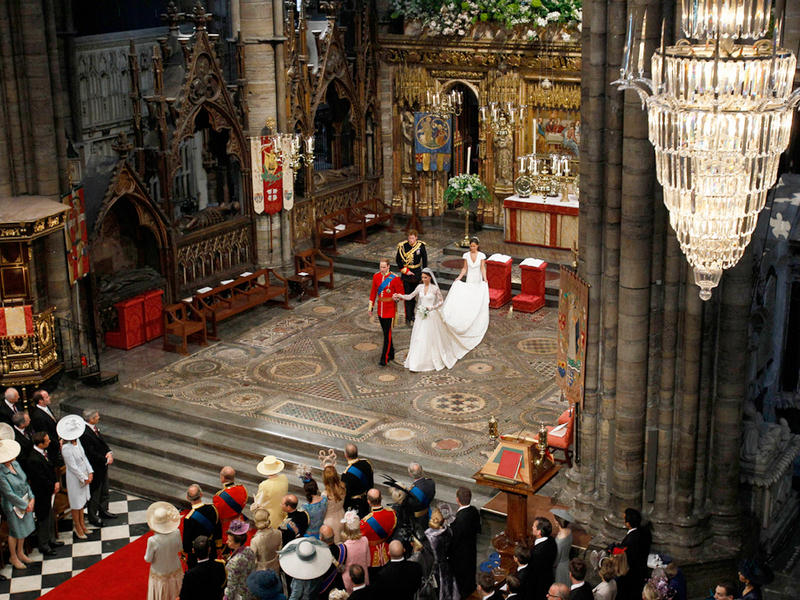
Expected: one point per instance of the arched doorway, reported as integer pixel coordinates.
(465, 130)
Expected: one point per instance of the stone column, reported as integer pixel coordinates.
(58, 288)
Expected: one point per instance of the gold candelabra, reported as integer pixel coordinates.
(444, 104)
(288, 145)
(547, 174)
(502, 117)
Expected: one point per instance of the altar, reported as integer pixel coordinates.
(542, 221)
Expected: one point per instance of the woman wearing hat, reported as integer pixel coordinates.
(79, 471)
(16, 500)
(163, 548)
(563, 544)
(241, 563)
(357, 548)
(305, 560)
(266, 542)
(272, 490)
(440, 538)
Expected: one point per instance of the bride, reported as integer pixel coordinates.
(466, 310)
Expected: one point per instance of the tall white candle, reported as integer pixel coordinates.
(535, 134)
(469, 156)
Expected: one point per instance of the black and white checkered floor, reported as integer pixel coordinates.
(76, 555)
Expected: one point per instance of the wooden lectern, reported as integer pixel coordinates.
(519, 466)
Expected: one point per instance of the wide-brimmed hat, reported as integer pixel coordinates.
(305, 558)
(70, 427)
(265, 584)
(9, 450)
(238, 527)
(162, 517)
(563, 514)
(270, 465)
(6, 432)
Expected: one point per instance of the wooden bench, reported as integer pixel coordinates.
(339, 224)
(373, 212)
(313, 264)
(184, 321)
(239, 295)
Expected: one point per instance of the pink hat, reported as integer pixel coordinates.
(238, 527)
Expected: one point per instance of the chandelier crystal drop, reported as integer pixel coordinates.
(719, 116)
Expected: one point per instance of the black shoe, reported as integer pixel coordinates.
(47, 551)
(381, 363)
(107, 515)
(56, 544)
(96, 522)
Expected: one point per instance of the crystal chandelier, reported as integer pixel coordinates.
(719, 116)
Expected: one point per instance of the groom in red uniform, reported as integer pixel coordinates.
(384, 285)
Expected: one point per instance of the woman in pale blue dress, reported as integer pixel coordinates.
(316, 506)
(16, 500)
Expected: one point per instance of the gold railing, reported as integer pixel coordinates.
(27, 360)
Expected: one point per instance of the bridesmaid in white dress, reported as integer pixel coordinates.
(432, 346)
(466, 310)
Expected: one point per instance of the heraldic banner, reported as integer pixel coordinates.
(76, 236)
(288, 177)
(433, 141)
(573, 313)
(267, 176)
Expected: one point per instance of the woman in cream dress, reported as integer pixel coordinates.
(163, 549)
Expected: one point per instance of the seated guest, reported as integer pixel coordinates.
(265, 585)
(607, 588)
(44, 483)
(360, 589)
(486, 589)
(241, 563)
(296, 522)
(399, 578)
(305, 560)
(206, 580)
(579, 590)
(558, 591)
(513, 586)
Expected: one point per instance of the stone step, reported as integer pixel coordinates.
(171, 447)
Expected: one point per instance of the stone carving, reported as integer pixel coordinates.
(503, 154)
(407, 118)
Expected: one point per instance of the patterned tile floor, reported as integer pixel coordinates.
(41, 576)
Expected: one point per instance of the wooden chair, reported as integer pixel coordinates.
(317, 265)
(563, 436)
(184, 321)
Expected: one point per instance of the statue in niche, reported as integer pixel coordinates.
(407, 121)
(503, 151)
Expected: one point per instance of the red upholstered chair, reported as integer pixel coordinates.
(563, 436)
(531, 298)
(498, 273)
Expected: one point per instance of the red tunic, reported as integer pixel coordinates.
(378, 527)
(227, 500)
(386, 307)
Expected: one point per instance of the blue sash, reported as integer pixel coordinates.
(230, 501)
(420, 496)
(385, 283)
(203, 521)
(358, 473)
(376, 527)
(333, 571)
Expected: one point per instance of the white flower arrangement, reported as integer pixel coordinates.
(423, 312)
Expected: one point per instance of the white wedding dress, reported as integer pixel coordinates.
(454, 326)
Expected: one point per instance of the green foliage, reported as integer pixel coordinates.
(469, 189)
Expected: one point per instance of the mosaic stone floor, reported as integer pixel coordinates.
(315, 369)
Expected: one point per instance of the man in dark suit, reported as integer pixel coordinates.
(9, 405)
(399, 579)
(358, 480)
(522, 558)
(22, 436)
(43, 419)
(295, 524)
(514, 585)
(207, 579)
(44, 483)
(543, 557)
(486, 589)
(637, 546)
(580, 590)
(464, 548)
(360, 590)
(100, 457)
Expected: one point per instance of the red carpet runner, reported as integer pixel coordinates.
(121, 576)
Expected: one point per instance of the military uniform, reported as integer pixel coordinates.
(358, 480)
(378, 526)
(201, 519)
(418, 501)
(383, 288)
(298, 518)
(411, 260)
(230, 502)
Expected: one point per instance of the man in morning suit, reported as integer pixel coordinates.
(43, 419)
(231, 499)
(486, 586)
(44, 483)
(206, 580)
(22, 435)
(202, 520)
(522, 558)
(100, 457)
(9, 405)
(513, 584)
(419, 498)
(637, 546)
(361, 591)
(411, 258)
(357, 479)
(385, 285)
(295, 524)
(464, 548)
(400, 578)
(543, 557)
(580, 590)
(378, 526)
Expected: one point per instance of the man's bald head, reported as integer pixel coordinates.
(11, 395)
(194, 493)
(415, 470)
(558, 590)
(350, 451)
(326, 534)
(374, 497)
(227, 474)
(396, 549)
